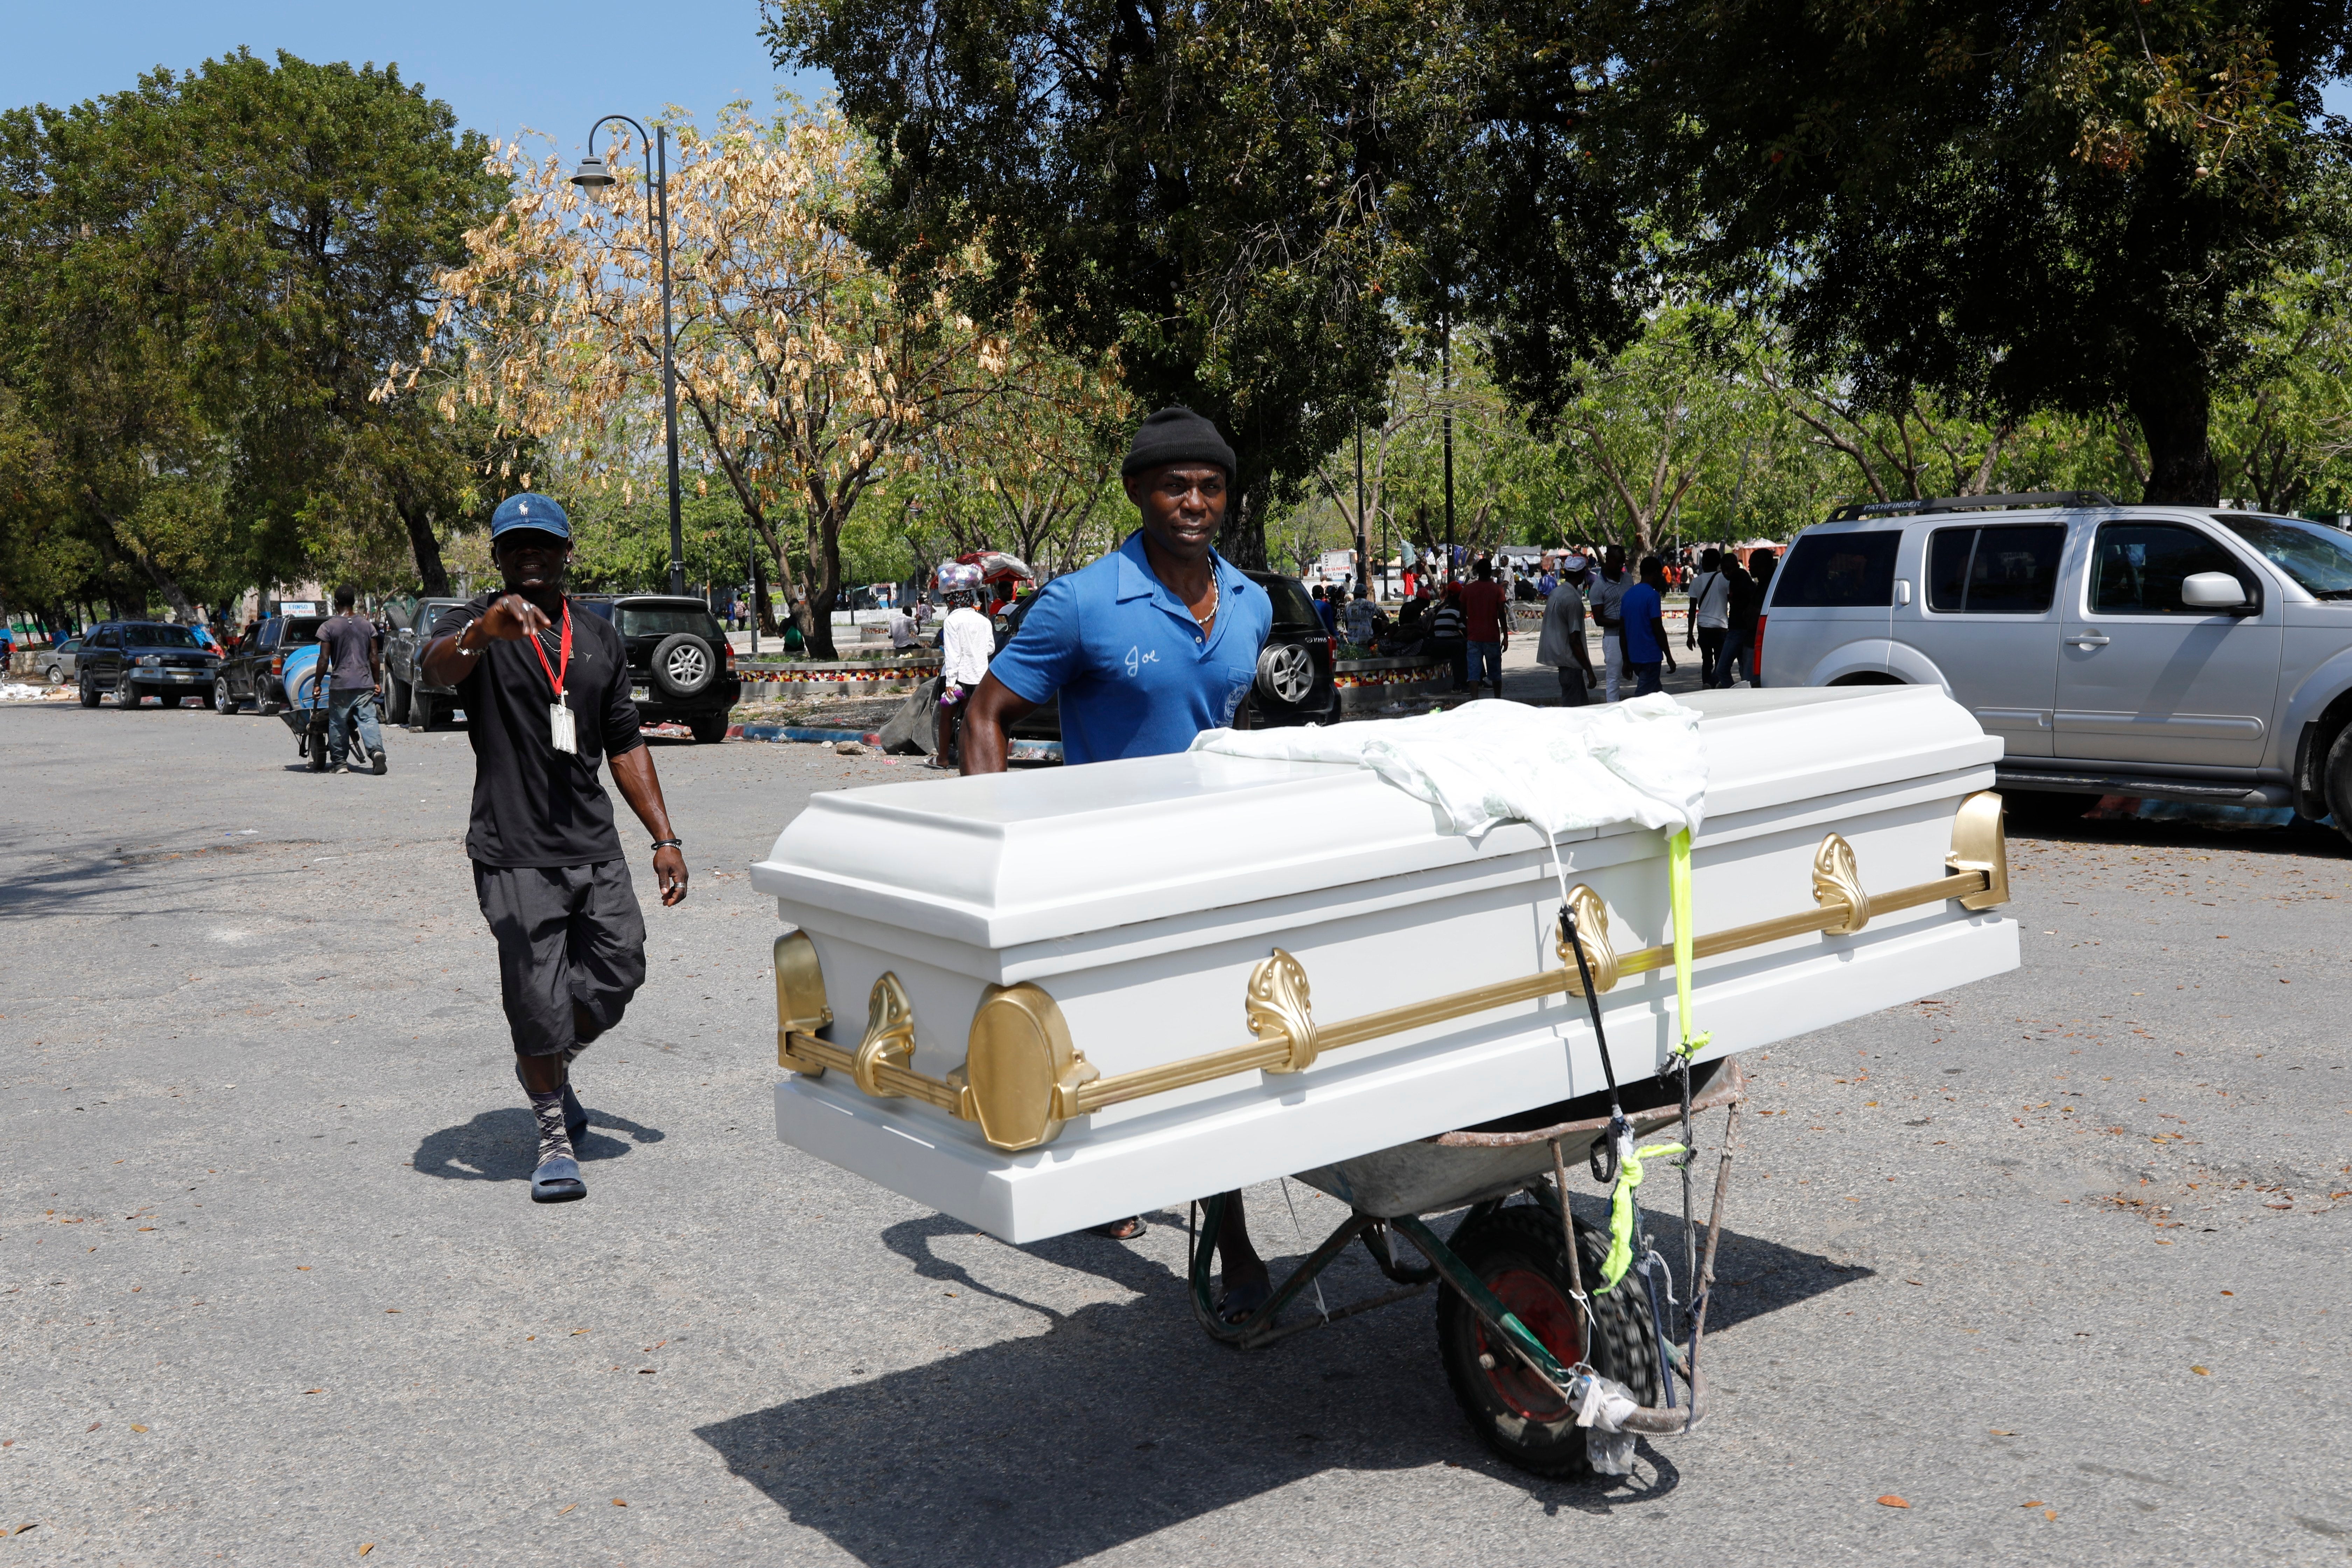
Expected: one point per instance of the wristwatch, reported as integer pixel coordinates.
(669, 844)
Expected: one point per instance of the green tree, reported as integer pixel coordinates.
(2072, 206)
(202, 281)
(1197, 192)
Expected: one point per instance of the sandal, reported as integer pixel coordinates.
(557, 1181)
(1126, 1229)
(1241, 1302)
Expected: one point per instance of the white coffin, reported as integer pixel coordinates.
(1141, 894)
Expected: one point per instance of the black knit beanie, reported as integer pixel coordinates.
(1176, 436)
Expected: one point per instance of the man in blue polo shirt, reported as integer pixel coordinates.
(1147, 647)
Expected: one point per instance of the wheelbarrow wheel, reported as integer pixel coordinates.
(1516, 1252)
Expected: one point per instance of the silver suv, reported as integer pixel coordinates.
(2174, 652)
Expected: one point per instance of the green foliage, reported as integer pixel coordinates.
(1195, 194)
(2066, 208)
(201, 281)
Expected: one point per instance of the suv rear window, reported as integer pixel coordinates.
(159, 636)
(1831, 571)
(1994, 571)
(661, 620)
(1292, 606)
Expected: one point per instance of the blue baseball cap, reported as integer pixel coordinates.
(542, 514)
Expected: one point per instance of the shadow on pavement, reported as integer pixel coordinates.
(1121, 1420)
(503, 1146)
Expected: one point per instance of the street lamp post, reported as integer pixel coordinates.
(593, 174)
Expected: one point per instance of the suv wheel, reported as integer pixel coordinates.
(684, 667)
(2335, 782)
(125, 694)
(224, 699)
(1285, 672)
(396, 699)
(89, 693)
(708, 727)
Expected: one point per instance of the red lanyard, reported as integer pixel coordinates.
(563, 661)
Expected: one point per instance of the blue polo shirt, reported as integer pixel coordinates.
(1136, 677)
(1637, 609)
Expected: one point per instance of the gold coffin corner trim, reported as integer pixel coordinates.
(1023, 1079)
(799, 998)
(889, 1039)
(1981, 843)
(1021, 1070)
(1277, 1008)
(1837, 885)
(1592, 936)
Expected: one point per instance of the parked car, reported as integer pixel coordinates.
(142, 658)
(2171, 652)
(253, 670)
(681, 668)
(56, 662)
(1294, 683)
(408, 698)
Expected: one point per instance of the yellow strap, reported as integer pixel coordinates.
(1620, 1212)
(1678, 888)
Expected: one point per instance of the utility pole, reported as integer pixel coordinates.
(1445, 386)
(1364, 545)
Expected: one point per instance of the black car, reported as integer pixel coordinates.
(1294, 683)
(252, 671)
(143, 658)
(408, 698)
(681, 668)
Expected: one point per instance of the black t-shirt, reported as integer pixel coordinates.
(534, 805)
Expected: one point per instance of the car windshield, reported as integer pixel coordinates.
(661, 620)
(2318, 557)
(299, 629)
(159, 636)
(1292, 606)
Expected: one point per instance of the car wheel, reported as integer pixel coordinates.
(125, 694)
(2337, 781)
(424, 710)
(708, 727)
(89, 693)
(224, 699)
(396, 699)
(683, 666)
(1285, 672)
(57, 675)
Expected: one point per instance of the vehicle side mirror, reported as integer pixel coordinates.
(2212, 591)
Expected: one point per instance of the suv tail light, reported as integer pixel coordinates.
(1331, 649)
(727, 652)
(278, 663)
(1755, 655)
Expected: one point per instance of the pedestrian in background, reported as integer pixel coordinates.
(1486, 614)
(1562, 642)
(352, 649)
(1445, 636)
(1740, 624)
(1607, 595)
(966, 641)
(1642, 615)
(1708, 616)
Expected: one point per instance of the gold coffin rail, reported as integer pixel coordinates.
(1023, 1079)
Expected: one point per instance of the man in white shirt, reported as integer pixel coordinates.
(902, 629)
(966, 641)
(1604, 600)
(1710, 615)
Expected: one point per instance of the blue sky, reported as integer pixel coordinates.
(502, 66)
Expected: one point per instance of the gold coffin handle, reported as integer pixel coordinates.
(1021, 1071)
(1277, 1005)
(1592, 936)
(889, 1039)
(1981, 843)
(799, 998)
(1837, 881)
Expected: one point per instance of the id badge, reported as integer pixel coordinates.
(560, 734)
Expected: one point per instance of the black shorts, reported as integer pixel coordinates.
(567, 935)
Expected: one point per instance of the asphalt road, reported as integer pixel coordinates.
(2053, 1258)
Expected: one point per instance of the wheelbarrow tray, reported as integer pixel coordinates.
(1431, 1175)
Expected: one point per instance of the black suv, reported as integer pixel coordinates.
(251, 671)
(681, 669)
(1294, 683)
(143, 658)
(408, 698)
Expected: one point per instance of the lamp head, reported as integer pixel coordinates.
(592, 174)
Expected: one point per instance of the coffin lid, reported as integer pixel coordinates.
(1040, 855)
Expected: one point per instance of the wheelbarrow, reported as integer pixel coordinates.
(1520, 1354)
(306, 711)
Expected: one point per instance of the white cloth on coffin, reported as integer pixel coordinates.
(1490, 762)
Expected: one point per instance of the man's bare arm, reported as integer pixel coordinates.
(641, 787)
(995, 710)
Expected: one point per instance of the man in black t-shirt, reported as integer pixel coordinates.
(546, 694)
